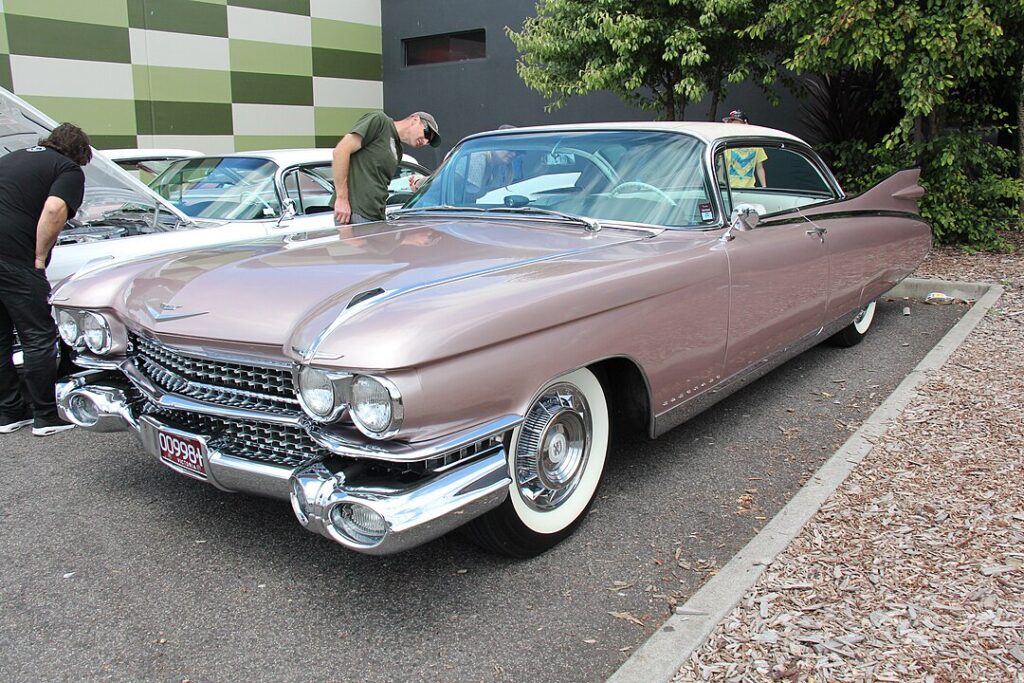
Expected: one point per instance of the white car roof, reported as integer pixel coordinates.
(289, 157)
(157, 153)
(706, 131)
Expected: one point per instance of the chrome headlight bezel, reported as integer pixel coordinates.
(396, 408)
(338, 383)
(115, 338)
(92, 317)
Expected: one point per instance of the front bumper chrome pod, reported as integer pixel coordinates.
(407, 514)
(99, 407)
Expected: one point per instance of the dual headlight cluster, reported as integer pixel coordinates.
(86, 330)
(373, 403)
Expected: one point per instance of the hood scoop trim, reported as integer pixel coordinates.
(364, 296)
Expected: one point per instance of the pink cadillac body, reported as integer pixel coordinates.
(462, 362)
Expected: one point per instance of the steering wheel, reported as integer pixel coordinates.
(640, 185)
(251, 195)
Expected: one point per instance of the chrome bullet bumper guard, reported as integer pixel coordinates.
(323, 499)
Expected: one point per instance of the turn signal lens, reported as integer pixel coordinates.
(359, 523)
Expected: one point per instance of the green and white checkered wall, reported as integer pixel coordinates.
(212, 75)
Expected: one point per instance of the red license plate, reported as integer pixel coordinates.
(182, 451)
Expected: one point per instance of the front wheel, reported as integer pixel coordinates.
(556, 459)
(854, 333)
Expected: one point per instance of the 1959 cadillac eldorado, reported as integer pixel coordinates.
(460, 365)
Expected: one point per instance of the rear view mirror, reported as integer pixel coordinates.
(744, 217)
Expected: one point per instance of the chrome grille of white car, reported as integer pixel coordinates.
(235, 385)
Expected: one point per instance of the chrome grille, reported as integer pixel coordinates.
(282, 445)
(236, 385)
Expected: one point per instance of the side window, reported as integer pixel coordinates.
(310, 188)
(400, 182)
(772, 179)
(789, 171)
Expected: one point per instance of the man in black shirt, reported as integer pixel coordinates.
(40, 188)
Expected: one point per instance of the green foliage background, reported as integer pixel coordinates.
(945, 76)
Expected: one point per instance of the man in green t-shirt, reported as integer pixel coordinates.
(365, 161)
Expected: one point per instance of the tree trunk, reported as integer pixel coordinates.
(669, 107)
(716, 99)
(919, 129)
(1020, 134)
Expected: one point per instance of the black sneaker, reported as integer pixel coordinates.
(45, 426)
(10, 424)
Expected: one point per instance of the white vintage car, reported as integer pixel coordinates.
(146, 164)
(195, 202)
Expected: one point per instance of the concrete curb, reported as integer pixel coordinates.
(660, 658)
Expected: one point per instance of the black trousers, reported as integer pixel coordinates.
(23, 306)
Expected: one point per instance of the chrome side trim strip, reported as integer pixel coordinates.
(96, 363)
(400, 452)
(681, 412)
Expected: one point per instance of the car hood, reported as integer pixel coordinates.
(379, 295)
(107, 185)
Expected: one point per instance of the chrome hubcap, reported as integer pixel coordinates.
(554, 442)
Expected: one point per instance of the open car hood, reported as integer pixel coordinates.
(106, 185)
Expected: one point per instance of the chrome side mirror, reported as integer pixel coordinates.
(744, 217)
(287, 211)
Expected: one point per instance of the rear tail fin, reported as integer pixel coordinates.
(898, 192)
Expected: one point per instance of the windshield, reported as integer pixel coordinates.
(227, 188)
(649, 177)
(107, 188)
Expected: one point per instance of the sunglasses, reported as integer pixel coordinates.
(428, 134)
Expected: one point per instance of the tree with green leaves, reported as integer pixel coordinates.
(942, 60)
(658, 55)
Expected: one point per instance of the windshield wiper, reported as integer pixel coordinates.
(437, 207)
(589, 223)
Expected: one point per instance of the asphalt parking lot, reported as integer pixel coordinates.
(115, 568)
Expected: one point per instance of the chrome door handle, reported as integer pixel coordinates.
(819, 233)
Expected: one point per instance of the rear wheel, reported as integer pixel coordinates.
(854, 333)
(556, 460)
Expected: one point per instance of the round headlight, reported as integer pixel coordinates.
(375, 407)
(96, 332)
(67, 326)
(316, 389)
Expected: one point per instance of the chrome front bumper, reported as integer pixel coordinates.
(411, 514)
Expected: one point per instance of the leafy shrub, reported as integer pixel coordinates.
(971, 192)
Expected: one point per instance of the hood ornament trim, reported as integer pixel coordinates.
(166, 312)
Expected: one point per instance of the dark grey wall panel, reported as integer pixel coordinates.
(474, 95)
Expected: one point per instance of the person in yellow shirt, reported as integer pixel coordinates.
(744, 163)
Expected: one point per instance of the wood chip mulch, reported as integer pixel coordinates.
(913, 570)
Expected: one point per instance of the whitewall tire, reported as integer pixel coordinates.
(854, 333)
(556, 459)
